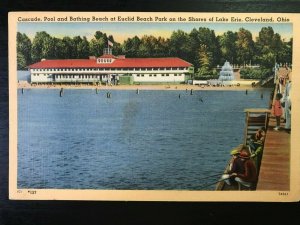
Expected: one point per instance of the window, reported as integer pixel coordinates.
(137, 75)
(143, 75)
(155, 75)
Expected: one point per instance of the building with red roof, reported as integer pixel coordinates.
(109, 68)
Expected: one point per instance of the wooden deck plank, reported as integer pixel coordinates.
(275, 166)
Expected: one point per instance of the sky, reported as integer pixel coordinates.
(122, 31)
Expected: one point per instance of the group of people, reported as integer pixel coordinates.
(282, 106)
(241, 169)
(245, 163)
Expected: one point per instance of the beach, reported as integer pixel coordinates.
(26, 85)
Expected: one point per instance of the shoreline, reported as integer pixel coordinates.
(166, 87)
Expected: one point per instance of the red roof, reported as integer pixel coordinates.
(118, 63)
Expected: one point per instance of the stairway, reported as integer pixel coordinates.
(255, 119)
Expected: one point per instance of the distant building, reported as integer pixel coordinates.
(109, 68)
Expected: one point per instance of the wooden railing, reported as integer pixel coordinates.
(255, 119)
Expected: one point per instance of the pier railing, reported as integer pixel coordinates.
(255, 119)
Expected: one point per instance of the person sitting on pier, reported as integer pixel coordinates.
(235, 166)
(257, 139)
(248, 178)
(256, 145)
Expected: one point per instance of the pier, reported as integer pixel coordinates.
(275, 165)
(274, 169)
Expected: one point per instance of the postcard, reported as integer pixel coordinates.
(154, 106)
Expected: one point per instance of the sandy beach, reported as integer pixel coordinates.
(27, 85)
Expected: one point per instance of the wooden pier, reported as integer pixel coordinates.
(275, 165)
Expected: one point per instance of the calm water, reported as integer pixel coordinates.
(150, 140)
(24, 75)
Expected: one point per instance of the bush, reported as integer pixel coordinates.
(255, 73)
(206, 74)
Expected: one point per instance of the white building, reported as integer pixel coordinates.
(108, 68)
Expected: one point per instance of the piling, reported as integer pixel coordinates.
(191, 91)
(22, 90)
(61, 92)
(137, 91)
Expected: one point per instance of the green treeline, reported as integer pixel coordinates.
(201, 47)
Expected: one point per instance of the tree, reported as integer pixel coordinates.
(146, 48)
(285, 55)
(269, 46)
(228, 46)
(83, 48)
(21, 62)
(98, 43)
(43, 46)
(151, 46)
(69, 48)
(59, 49)
(23, 51)
(205, 57)
(179, 45)
(131, 46)
(207, 37)
(244, 46)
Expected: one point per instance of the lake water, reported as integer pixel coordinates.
(23, 75)
(153, 140)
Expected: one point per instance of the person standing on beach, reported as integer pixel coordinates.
(277, 110)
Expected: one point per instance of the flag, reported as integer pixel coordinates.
(110, 43)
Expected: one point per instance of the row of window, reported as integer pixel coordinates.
(80, 76)
(112, 69)
(104, 60)
(104, 76)
(74, 76)
(155, 75)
